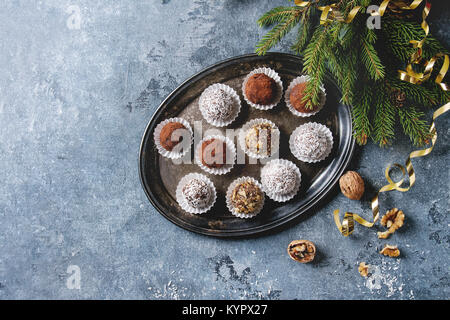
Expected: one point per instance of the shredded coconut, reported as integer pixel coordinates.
(197, 193)
(279, 178)
(216, 104)
(310, 142)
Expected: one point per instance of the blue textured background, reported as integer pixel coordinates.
(73, 106)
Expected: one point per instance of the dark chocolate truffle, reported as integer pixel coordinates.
(296, 96)
(246, 197)
(171, 135)
(260, 89)
(213, 153)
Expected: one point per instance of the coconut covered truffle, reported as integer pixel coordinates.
(197, 194)
(258, 139)
(279, 178)
(261, 89)
(246, 197)
(296, 97)
(311, 142)
(217, 105)
(213, 153)
(171, 135)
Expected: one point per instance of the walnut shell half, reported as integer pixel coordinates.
(390, 251)
(302, 250)
(352, 185)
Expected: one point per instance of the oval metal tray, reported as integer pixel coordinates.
(159, 176)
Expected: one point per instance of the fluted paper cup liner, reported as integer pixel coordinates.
(321, 129)
(230, 191)
(275, 138)
(182, 200)
(274, 75)
(176, 153)
(236, 102)
(287, 99)
(272, 193)
(231, 155)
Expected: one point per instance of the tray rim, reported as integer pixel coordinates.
(349, 150)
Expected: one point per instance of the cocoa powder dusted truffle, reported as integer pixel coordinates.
(311, 142)
(280, 179)
(213, 153)
(219, 105)
(261, 89)
(197, 193)
(171, 135)
(296, 98)
(246, 197)
(296, 92)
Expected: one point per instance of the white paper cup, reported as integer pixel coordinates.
(182, 200)
(231, 156)
(272, 194)
(181, 149)
(236, 103)
(274, 75)
(287, 99)
(230, 191)
(275, 138)
(322, 130)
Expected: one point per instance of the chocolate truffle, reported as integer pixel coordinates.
(260, 89)
(217, 105)
(310, 142)
(258, 139)
(171, 135)
(279, 178)
(197, 193)
(296, 96)
(213, 153)
(246, 197)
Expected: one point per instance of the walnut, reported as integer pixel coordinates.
(363, 269)
(302, 250)
(390, 251)
(352, 185)
(393, 219)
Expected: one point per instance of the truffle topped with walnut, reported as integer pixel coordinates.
(245, 197)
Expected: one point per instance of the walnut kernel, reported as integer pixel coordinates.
(393, 220)
(363, 269)
(302, 251)
(352, 185)
(390, 251)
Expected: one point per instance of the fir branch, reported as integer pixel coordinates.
(303, 32)
(362, 127)
(384, 120)
(414, 125)
(315, 65)
(369, 56)
(274, 36)
(277, 15)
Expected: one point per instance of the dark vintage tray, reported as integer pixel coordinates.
(159, 176)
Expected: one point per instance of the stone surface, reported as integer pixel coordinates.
(74, 102)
